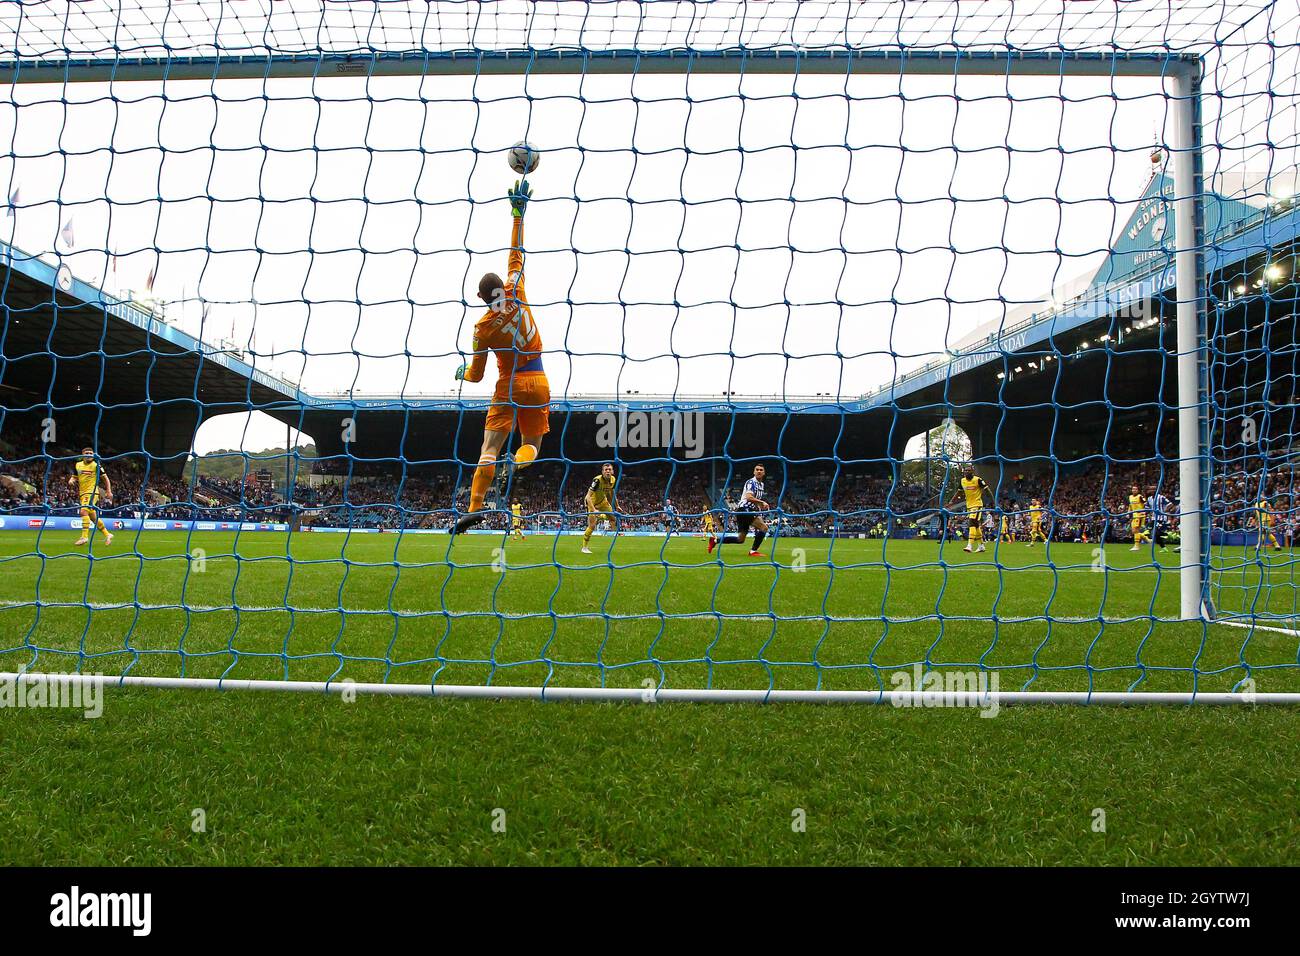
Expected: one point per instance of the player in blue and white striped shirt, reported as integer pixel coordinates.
(1161, 510)
(749, 512)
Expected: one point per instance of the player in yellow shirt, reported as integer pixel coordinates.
(1263, 520)
(517, 521)
(1137, 510)
(93, 487)
(1005, 531)
(600, 503)
(973, 490)
(710, 526)
(1036, 532)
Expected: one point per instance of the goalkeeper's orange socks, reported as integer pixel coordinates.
(525, 456)
(483, 475)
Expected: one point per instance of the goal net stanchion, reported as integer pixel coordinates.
(219, 59)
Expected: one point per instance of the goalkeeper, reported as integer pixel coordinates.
(523, 394)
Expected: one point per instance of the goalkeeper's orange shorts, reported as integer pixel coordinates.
(525, 400)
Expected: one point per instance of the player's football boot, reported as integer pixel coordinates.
(756, 554)
(468, 521)
(713, 543)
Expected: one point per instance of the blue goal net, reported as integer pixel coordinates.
(748, 350)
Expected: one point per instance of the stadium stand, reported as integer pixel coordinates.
(1054, 398)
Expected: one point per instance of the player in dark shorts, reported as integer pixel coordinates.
(748, 514)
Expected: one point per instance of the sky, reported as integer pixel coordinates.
(759, 235)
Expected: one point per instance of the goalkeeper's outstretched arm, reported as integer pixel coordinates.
(492, 290)
(518, 196)
(473, 372)
(516, 274)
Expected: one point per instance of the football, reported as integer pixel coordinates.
(523, 158)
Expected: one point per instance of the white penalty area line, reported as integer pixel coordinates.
(898, 698)
(772, 618)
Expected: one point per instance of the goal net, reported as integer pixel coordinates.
(896, 351)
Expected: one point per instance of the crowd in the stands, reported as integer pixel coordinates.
(1083, 502)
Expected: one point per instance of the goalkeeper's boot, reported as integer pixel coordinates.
(468, 521)
(713, 543)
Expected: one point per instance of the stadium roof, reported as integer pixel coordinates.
(90, 324)
(59, 332)
(1142, 267)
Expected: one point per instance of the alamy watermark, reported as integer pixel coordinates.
(629, 428)
(947, 688)
(76, 908)
(84, 692)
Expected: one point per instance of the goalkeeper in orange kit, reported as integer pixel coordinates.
(523, 395)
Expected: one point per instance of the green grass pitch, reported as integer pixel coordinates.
(287, 778)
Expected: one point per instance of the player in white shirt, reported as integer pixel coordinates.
(672, 523)
(749, 513)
